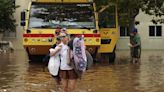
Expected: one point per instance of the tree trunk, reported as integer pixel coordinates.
(131, 24)
(132, 15)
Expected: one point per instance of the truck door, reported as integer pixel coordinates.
(108, 24)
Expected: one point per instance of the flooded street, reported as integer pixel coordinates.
(17, 75)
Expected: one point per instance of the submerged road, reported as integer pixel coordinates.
(17, 75)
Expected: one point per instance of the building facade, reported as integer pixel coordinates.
(17, 41)
(152, 35)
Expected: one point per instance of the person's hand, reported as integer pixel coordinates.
(60, 45)
(130, 45)
(133, 46)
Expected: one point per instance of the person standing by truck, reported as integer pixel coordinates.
(135, 46)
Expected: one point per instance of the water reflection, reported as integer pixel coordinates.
(12, 70)
(17, 75)
(152, 74)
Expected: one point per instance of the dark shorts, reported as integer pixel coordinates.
(68, 74)
(136, 53)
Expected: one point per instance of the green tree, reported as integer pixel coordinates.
(129, 9)
(7, 21)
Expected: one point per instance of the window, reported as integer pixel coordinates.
(124, 31)
(52, 15)
(107, 18)
(155, 31)
(158, 30)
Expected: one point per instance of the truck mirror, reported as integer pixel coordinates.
(23, 23)
(23, 16)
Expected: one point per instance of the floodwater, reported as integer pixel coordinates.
(17, 75)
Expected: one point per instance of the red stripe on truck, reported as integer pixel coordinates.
(89, 35)
(52, 35)
(38, 35)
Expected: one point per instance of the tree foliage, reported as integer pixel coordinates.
(129, 9)
(150, 7)
(7, 21)
(153, 7)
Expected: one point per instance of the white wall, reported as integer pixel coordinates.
(18, 41)
(122, 43)
(156, 43)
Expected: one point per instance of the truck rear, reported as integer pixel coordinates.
(80, 17)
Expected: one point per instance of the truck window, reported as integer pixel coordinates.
(107, 19)
(63, 15)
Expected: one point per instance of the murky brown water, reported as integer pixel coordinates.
(17, 75)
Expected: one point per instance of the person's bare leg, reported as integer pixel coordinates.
(73, 85)
(58, 81)
(138, 60)
(133, 60)
(64, 85)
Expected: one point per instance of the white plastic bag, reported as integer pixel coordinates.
(54, 64)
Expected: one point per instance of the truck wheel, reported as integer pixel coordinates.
(112, 57)
(28, 55)
(93, 53)
(31, 58)
(34, 58)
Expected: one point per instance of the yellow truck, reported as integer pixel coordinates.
(42, 17)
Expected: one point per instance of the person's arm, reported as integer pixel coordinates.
(56, 50)
(135, 45)
(138, 40)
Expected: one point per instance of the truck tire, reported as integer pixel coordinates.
(34, 58)
(112, 57)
